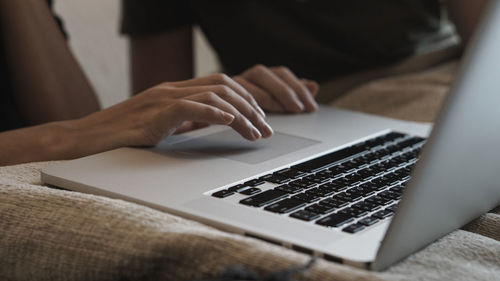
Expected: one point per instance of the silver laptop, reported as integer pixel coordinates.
(336, 184)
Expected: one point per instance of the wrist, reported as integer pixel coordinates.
(59, 140)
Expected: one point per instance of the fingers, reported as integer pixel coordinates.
(245, 110)
(220, 79)
(283, 86)
(240, 123)
(266, 101)
(194, 111)
(301, 91)
(273, 85)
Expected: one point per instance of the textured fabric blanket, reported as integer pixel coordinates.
(52, 234)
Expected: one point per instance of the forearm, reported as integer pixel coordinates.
(49, 85)
(49, 141)
(60, 140)
(465, 15)
(161, 57)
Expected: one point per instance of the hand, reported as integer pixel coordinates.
(277, 89)
(161, 111)
(143, 120)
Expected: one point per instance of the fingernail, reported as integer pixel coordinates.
(269, 131)
(261, 111)
(256, 134)
(228, 117)
(300, 106)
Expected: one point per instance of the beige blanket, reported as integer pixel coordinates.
(50, 234)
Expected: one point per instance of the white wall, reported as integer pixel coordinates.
(93, 26)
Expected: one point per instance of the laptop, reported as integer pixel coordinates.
(345, 186)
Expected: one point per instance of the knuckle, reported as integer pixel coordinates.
(210, 97)
(221, 78)
(223, 90)
(259, 67)
(247, 96)
(282, 69)
(210, 111)
(178, 106)
(287, 91)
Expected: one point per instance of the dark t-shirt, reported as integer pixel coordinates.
(10, 117)
(317, 39)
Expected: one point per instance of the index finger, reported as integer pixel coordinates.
(275, 86)
(305, 96)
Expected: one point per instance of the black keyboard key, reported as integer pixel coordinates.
(328, 173)
(382, 214)
(346, 169)
(303, 183)
(387, 165)
(398, 160)
(381, 140)
(392, 136)
(330, 187)
(353, 228)
(274, 179)
(392, 148)
(368, 221)
(351, 165)
(380, 183)
(382, 153)
(320, 209)
(328, 159)
(305, 215)
(338, 185)
(335, 220)
(336, 170)
(333, 203)
(363, 191)
(321, 191)
(223, 193)
(289, 188)
(392, 178)
(250, 191)
(352, 179)
(366, 173)
(397, 189)
(353, 212)
(392, 207)
(307, 197)
(369, 186)
(409, 156)
(378, 200)
(317, 178)
(377, 169)
(285, 206)
(366, 206)
(410, 142)
(290, 173)
(369, 157)
(264, 198)
(399, 174)
(237, 188)
(348, 196)
(390, 195)
(255, 182)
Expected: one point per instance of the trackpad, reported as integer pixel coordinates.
(229, 144)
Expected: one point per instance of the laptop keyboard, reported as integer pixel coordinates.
(349, 189)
